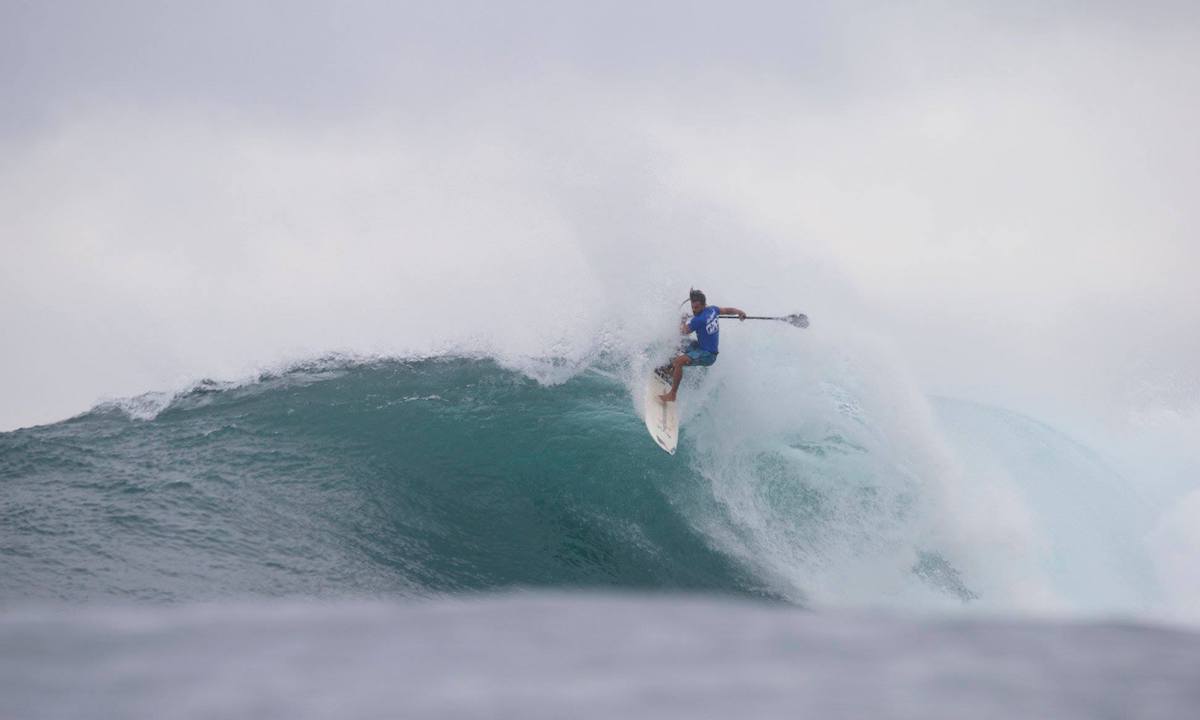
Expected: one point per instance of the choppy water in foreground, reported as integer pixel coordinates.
(555, 656)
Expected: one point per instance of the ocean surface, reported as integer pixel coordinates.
(582, 656)
(462, 537)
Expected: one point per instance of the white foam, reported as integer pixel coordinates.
(828, 473)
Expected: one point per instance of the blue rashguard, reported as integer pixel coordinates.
(704, 349)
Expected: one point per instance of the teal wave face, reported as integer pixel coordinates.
(415, 478)
(452, 475)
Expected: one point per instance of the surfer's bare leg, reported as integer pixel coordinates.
(676, 376)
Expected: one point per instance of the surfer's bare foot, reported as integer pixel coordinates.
(667, 397)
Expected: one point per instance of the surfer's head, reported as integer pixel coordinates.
(698, 301)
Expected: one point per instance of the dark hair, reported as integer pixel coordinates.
(695, 295)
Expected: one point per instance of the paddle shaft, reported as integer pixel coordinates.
(799, 320)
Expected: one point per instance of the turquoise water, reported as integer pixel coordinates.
(418, 478)
(393, 477)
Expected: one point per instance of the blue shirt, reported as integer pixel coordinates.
(706, 328)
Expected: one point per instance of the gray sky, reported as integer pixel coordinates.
(1004, 191)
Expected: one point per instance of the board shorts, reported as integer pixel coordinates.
(703, 358)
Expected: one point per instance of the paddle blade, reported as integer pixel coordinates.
(800, 320)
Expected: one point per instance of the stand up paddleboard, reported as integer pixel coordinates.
(662, 420)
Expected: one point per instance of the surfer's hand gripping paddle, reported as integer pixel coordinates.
(799, 320)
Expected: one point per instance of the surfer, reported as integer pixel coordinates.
(703, 350)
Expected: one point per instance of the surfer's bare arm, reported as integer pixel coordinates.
(734, 311)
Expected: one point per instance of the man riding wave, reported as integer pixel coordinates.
(703, 350)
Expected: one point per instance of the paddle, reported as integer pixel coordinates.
(799, 320)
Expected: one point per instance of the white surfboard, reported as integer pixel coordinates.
(662, 419)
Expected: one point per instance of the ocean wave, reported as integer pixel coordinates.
(424, 476)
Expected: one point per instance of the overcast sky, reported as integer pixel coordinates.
(1004, 191)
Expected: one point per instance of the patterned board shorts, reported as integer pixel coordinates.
(699, 357)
